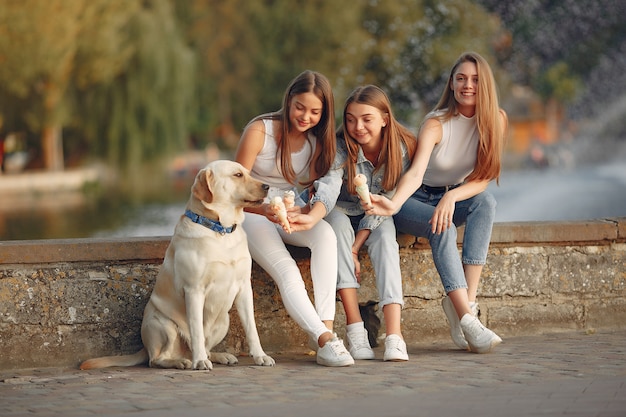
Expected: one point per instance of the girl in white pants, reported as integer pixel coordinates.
(288, 150)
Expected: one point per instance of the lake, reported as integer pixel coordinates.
(587, 192)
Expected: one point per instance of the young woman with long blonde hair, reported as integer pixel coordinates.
(458, 154)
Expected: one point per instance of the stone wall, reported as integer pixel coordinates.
(63, 301)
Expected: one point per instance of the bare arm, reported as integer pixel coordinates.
(359, 240)
(249, 147)
(429, 135)
(442, 216)
(444, 211)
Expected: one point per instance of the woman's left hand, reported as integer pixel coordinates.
(301, 221)
(443, 215)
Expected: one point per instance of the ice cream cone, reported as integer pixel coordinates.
(362, 189)
(289, 198)
(277, 205)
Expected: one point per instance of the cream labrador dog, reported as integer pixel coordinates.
(206, 270)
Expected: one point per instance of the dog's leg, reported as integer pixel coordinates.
(245, 308)
(194, 302)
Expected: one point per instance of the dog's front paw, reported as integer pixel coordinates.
(203, 365)
(224, 358)
(183, 364)
(264, 360)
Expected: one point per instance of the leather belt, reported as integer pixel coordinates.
(439, 190)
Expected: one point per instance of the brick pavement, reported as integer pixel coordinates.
(565, 374)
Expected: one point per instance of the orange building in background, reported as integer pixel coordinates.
(531, 122)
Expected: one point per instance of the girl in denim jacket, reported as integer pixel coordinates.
(370, 142)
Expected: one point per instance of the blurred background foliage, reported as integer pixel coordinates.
(129, 82)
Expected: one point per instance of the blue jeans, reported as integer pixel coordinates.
(382, 248)
(477, 213)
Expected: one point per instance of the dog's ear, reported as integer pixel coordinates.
(201, 187)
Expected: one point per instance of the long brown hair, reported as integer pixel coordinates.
(490, 129)
(393, 135)
(324, 132)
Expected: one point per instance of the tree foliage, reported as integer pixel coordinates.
(113, 73)
(558, 45)
(412, 46)
(132, 80)
(41, 58)
(143, 112)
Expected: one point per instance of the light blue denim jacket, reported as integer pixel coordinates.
(331, 189)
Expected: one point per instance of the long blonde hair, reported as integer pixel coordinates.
(488, 120)
(393, 136)
(324, 132)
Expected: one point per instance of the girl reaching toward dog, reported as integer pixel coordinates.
(288, 149)
(373, 150)
(458, 154)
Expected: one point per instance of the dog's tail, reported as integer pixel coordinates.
(138, 358)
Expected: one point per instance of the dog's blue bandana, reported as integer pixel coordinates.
(210, 224)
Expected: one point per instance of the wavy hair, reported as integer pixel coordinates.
(490, 129)
(393, 134)
(324, 131)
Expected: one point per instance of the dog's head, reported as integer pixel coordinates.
(223, 187)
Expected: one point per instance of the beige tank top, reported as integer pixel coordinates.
(454, 158)
(267, 169)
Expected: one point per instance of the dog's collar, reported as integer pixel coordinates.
(210, 224)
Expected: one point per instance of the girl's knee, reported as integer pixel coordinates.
(487, 201)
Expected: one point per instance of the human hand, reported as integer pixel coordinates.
(269, 213)
(300, 221)
(278, 207)
(380, 206)
(443, 215)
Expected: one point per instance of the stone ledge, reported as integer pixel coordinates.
(67, 300)
(152, 248)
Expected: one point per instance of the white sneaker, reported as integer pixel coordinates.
(455, 324)
(479, 338)
(359, 344)
(334, 353)
(395, 349)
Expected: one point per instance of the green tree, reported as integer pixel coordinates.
(558, 45)
(412, 45)
(248, 51)
(114, 75)
(143, 113)
(46, 46)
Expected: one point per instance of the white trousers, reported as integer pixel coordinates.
(267, 240)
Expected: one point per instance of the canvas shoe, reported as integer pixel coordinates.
(359, 344)
(395, 349)
(334, 353)
(455, 324)
(479, 338)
